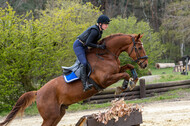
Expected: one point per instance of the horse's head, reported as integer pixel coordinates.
(136, 51)
(131, 44)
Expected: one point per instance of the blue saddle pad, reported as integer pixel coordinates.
(73, 73)
(70, 77)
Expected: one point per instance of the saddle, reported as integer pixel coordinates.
(72, 73)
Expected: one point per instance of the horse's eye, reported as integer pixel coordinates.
(140, 48)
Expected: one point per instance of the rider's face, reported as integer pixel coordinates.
(104, 26)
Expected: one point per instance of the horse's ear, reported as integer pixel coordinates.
(139, 36)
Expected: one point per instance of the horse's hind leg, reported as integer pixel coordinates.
(62, 113)
(51, 114)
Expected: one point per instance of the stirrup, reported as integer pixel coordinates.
(87, 87)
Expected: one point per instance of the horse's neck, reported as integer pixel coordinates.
(115, 45)
(118, 44)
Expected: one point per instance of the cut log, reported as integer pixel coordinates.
(164, 65)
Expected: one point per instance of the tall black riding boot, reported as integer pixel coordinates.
(84, 78)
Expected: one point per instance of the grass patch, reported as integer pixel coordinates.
(4, 113)
(172, 77)
(163, 71)
(164, 96)
(167, 74)
(31, 110)
(79, 107)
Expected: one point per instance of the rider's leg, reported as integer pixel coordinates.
(83, 73)
(80, 53)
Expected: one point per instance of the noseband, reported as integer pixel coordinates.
(137, 53)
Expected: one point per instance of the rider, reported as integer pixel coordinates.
(89, 38)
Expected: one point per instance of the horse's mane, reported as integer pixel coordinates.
(109, 37)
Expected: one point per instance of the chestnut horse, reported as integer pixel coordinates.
(56, 95)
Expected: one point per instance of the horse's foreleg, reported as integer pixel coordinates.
(129, 67)
(126, 67)
(116, 77)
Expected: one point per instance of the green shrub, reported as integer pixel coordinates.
(32, 51)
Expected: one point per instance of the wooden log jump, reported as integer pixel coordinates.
(140, 91)
(119, 114)
(135, 119)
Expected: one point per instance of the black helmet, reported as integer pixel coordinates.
(103, 19)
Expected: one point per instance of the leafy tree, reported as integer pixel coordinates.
(32, 51)
(175, 29)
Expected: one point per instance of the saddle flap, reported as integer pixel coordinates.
(74, 69)
(70, 78)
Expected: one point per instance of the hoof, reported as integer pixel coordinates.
(118, 90)
(132, 85)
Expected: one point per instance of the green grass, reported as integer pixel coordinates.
(32, 110)
(165, 96)
(167, 74)
(163, 71)
(79, 107)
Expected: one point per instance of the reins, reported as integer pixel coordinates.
(107, 51)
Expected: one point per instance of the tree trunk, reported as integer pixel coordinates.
(181, 49)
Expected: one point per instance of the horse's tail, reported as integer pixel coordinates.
(23, 102)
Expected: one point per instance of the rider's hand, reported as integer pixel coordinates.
(101, 46)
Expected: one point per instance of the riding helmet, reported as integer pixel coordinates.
(103, 19)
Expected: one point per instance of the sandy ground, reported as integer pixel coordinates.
(165, 113)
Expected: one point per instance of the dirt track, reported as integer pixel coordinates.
(167, 113)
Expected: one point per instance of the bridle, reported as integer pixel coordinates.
(137, 53)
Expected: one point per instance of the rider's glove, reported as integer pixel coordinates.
(101, 46)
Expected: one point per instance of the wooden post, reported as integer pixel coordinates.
(142, 88)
